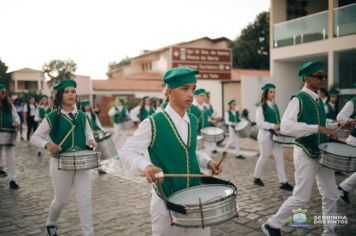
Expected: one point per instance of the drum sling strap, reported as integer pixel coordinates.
(180, 208)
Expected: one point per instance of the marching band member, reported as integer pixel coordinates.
(118, 114)
(43, 109)
(49, 135)
(348, 114)
(171, 129)
(305, 119)
(142, 111)
(212, 117)
(9, 119)
(324, 95)
(232, 117)
(29, 112)
(331, 107)
(268, 118)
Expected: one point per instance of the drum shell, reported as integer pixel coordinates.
(243, 129)
(282, 139)
(212, 134)
(107, 147)
(75, 161)
(7, 137)
(337, 162)
(214, 212)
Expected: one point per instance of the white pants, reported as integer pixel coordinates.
(11, 161)
(266, 147)
(209, 147)
(63, 181)
(306, 171)
(119, 132)
(234, 139)
(349, 183)
(161, 223)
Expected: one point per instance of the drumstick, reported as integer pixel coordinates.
(183, 175)
(224, 155)
(341, 126)
(65, 138)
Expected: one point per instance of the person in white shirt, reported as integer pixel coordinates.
(267, 119)
(212, 119)
(232, 118)
(9, 120)
(324, 95)
(42, 109)
(29, 111)
(348, 114)
(142, 111)
(54, 138)
(305, 119)
(119, 114)
(171, 129)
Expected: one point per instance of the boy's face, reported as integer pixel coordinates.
(200, 99)
(183, 95)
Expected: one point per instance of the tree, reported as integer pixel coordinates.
(116, 65)
(4, 76)
(58, 70)
(251, 49)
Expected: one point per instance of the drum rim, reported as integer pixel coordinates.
(12, 130)
(96, 153)
(234, 194)
(326, 152)
(221, 131)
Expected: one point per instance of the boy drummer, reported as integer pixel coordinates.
(163, 132)
(305, 119)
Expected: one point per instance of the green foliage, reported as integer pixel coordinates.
(251, 49)
(58, 70)
(4, 76)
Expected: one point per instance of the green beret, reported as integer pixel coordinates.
(309, 68)
(2, 86)
(268, 86)
(232, 101)
(200, 91)
(179, 76)
(122, 101)
(65, 84)
(44, 96)
(84, 103)
(334, 92)
(145, 97)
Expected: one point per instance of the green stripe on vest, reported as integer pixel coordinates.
(331, 112)
(6, 119)
(144, 113)
(201, 115)
(42, 111)
(92, 122)
(75, 141)
(168, 151)
(120, 117)
(312, 113)
(234, 117)
(271, 114)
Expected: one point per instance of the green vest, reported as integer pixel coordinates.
(42, 111)
(77, 139)
(92, 122)
(210, 109)
(271, 114)
(331, 112)
(353, 115)
(201, 115)
(6, 119)
(144, 113)
(120, 117)
(234, 117)
(312, 113)
(168, 151)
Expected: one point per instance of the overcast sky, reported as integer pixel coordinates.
(96, 32)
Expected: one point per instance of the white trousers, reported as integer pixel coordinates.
(209, 147)
(349, 183)
(11, 161)
(161, 223)
(234, 139)
(63, 181)
(306, 171)
(119, 132)
(266, 147)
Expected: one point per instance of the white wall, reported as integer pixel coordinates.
(251, 92)
(215, 89)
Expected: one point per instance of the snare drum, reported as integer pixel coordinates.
(7, 137)
(212, 134)
(200, 142)
(106, 146)
(205, 205)
(243, 128)
(278, 137)
(78, 160)
(338, 156)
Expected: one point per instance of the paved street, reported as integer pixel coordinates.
(120, 202)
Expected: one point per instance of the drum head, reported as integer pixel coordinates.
(79, 153)
(206, 193)
(339, 149)
(212, 131)
(241, 125)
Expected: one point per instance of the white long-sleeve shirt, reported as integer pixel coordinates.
(134, 114)
(346, 112)
(227, 121)
(132, 153)
(97, 121)
(15, 116)
(41, 136)
(290, 125)
(260, 118)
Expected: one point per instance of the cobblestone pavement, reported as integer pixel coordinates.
(120, 202)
